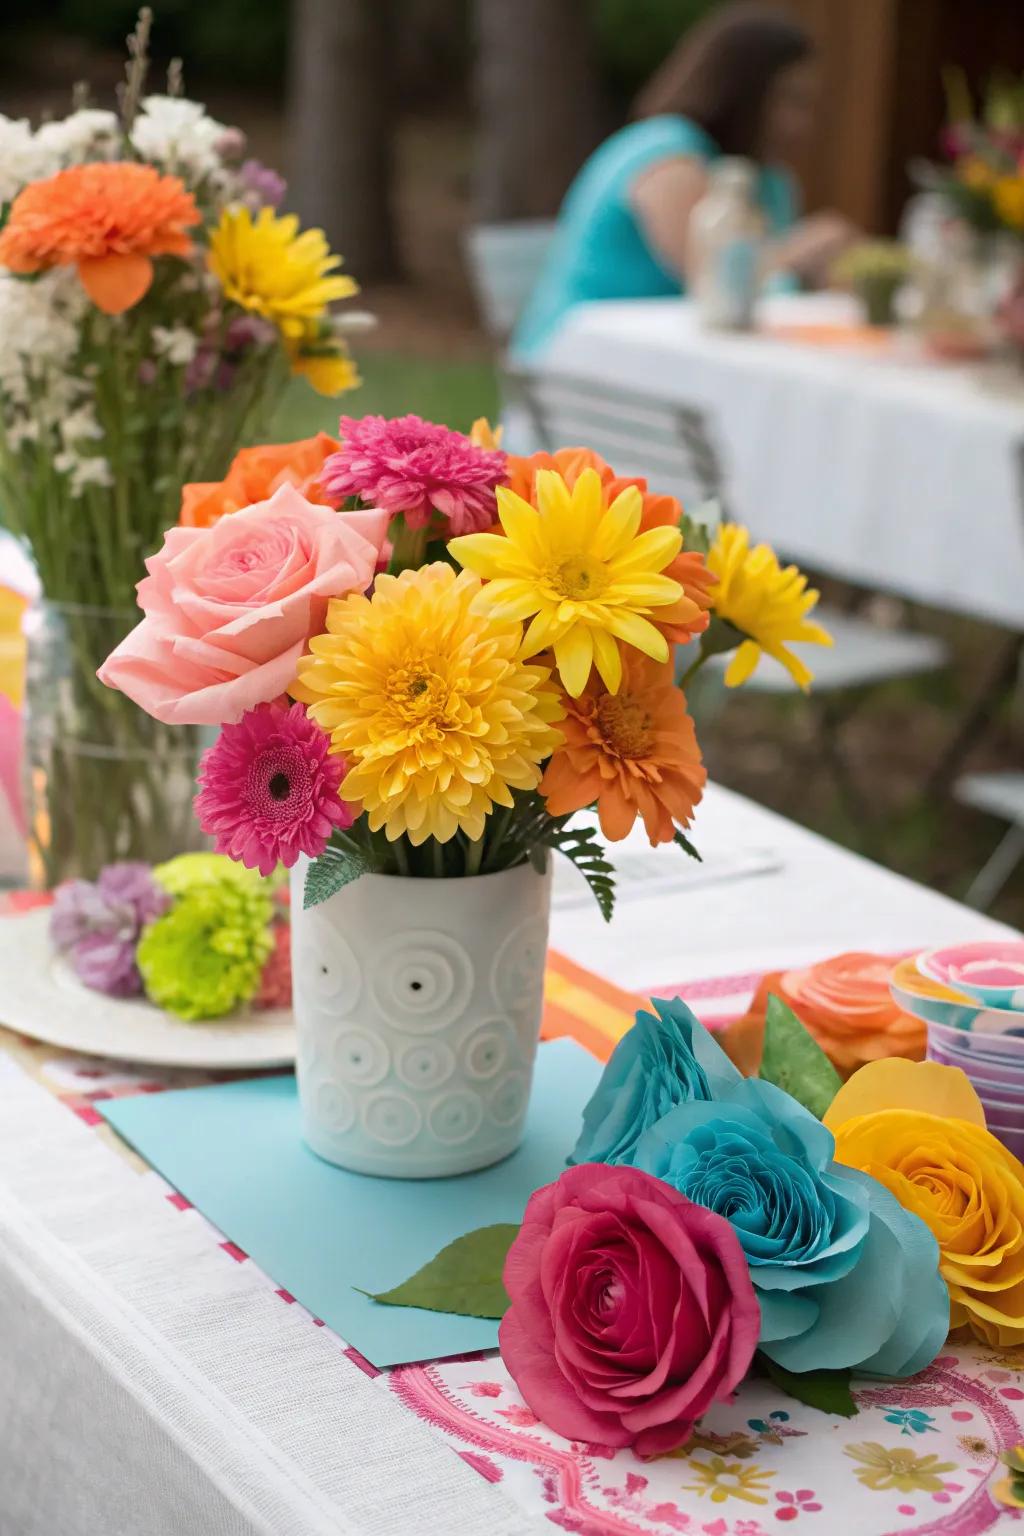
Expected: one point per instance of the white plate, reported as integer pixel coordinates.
(40, 996)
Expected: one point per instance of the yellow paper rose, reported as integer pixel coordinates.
(919, 1129)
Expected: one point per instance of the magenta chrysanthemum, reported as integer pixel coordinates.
(417, 468)
(269, 789)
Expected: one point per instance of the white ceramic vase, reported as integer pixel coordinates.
(418, 1007)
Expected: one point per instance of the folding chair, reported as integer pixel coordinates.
(1002, 795)
(504, 263)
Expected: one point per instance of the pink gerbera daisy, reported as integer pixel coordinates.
(417, 468)
(269, 789)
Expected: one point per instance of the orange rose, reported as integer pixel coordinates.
(255, 474)
(844, 1003)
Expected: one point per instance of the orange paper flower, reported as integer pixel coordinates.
(255, 474)
(634, 753)
(108, 220)
(690, 615)
(845, 1004)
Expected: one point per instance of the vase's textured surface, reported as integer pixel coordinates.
(418, 1006)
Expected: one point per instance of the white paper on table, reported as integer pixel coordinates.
(647, 874)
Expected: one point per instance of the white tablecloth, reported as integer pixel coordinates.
(150, 1385)
(904, 476)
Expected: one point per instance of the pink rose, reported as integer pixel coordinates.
(229, 609)
(632, 1309)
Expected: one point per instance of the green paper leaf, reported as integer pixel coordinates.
(828, 1391)
(464, 1278)
(330, 873)
(683, 842)
(795, 1062)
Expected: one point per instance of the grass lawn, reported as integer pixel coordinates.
(394, 385)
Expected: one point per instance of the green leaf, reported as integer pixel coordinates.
(720, 637)
(464, 1278)
(330, 873)
(580, 844)
(795, 1062)
(683, 842)
(827, 1390)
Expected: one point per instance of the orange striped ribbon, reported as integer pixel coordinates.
(585, 1007)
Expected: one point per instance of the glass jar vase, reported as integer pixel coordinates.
(103, 781)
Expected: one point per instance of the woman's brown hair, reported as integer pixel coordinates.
(719, 72)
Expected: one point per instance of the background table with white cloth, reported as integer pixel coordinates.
(869, 463)
(154, 1382)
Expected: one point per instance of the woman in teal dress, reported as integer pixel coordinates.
(743, 82)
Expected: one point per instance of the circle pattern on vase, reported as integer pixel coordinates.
(427, 982)
(486, 1051)
(390, 1118)
(360, 1057)
(456, 1117)
(324, 964)
(517, 974)
(425, 1064)
(507, 1103)
(333, 1105)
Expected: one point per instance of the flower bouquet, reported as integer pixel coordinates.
(711, 1226)
(153, 303)
(426, 658)
(983, 179)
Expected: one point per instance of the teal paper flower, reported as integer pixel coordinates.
(844, 1275)
(664, 1060)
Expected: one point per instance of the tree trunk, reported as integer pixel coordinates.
(341, 123)
(539, 104)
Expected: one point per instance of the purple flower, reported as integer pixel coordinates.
(97, 925)
(261, 186)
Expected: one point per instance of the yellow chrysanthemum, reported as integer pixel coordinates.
(436, 715)
(269, 268)
(767, 603)
(1008, 196)
(328, 372)
(578, 568)
(483, 435)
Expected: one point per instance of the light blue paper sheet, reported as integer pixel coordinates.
(235, 1152)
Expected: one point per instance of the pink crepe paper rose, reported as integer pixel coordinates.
(632, 1309)
(229, 609)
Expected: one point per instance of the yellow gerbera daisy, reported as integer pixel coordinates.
(766, 603)
(579, 569)
(437, 717)
(269, 268)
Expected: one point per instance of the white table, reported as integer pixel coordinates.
(901, 475)
(150, 1386)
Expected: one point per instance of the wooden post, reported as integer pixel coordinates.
(539, 104)
(341, 126)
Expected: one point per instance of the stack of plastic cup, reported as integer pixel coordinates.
(971, 997)
(995, 1066)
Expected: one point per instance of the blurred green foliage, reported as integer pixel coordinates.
(246, 40)
(634, 36)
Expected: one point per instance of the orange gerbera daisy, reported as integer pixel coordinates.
(633, 753)
(255, 474)
(108, 219)
(690, 615)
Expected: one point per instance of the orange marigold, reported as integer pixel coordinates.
(691, 614)
(633, 753)
(255, 474)
(108, 219)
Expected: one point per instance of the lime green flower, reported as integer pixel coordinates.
(205, 956)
